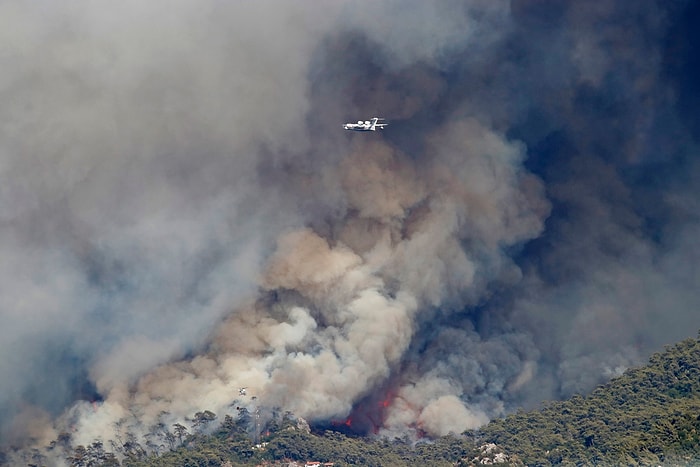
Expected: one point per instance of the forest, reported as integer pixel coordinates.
(648, 416)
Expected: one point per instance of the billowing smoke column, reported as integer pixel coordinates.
(183, 216)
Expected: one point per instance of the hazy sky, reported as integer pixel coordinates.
(181, 213)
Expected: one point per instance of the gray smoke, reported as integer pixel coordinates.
(182, 214)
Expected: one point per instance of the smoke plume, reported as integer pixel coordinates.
(183, 216)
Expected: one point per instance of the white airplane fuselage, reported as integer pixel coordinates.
(367, 125)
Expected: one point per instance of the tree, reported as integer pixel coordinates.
(203, 419)
(180, 431)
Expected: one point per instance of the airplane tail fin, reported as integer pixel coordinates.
(376, 125)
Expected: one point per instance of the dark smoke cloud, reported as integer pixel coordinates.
(182, 214)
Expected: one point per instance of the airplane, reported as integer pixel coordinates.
(367, 125)
(242, 391)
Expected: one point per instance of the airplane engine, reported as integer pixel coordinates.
(359, 122)
(366, 122)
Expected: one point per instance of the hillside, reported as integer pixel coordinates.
(648, 416)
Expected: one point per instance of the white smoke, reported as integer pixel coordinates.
(343, 319)
(183, 217)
